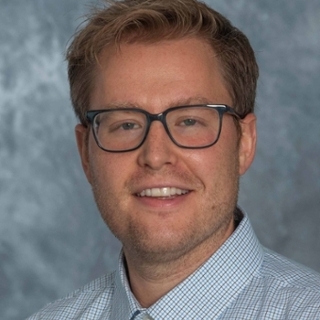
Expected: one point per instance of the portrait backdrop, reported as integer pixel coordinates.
(52, 239)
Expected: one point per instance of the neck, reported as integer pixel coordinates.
(149, 281)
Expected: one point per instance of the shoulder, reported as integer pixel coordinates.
(288, 273)
(279, 289)
(290, 287)
(97, 294)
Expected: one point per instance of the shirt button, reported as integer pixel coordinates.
(147, 317)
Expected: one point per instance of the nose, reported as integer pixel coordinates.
(157, 150)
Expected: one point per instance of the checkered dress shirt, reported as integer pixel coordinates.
(242, 280)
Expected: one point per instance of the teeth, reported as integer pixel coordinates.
(162, 192)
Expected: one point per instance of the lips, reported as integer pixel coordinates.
(162, 192)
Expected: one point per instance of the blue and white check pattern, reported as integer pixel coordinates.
(242, 280)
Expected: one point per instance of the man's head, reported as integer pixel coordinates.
(161, 200)
(149, 21)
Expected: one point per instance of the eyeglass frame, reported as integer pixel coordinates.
(221, 108)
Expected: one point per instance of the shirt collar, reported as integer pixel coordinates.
(124, 304)
(209, 290)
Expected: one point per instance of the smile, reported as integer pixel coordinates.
(162, 192)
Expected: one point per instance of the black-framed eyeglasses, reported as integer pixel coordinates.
(126, 129)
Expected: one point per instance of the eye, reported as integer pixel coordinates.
(189, 122)
(129, 126)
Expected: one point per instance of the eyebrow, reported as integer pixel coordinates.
(191, 101)
(119, 105)
(179, 102)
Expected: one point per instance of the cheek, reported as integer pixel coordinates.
(110, 173)
(105, 172)
(107, 187)
(217, 167)
(212, 161)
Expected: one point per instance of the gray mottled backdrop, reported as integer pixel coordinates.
(52, 239)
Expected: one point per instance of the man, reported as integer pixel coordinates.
(164, 91)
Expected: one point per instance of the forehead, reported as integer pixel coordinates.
(159, 75)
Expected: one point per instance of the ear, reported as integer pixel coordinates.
(82, 133)
(247, 144)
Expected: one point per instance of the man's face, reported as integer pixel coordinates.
(155, 77)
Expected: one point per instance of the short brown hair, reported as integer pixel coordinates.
(155, 20)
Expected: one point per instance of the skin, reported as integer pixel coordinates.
(166, 239)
